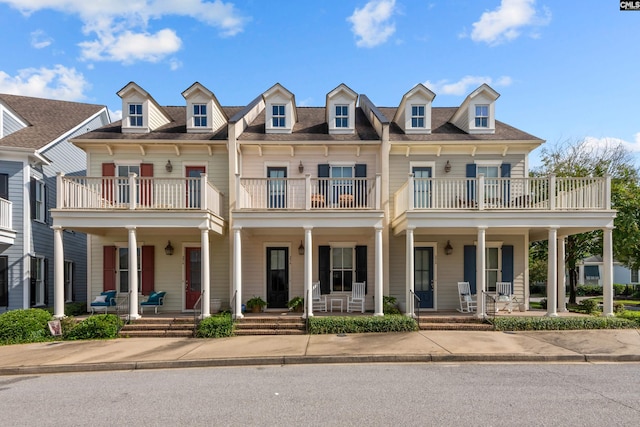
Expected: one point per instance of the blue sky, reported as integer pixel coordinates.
(565, 70)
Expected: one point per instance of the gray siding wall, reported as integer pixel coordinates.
(9, 124)
(15, 251)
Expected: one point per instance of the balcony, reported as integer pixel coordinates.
(308, 194)
(7, 234)
(521, 194)
(136, 193)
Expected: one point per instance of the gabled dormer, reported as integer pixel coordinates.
(414, 113)
(140, 112)
(204, 113)
(280, 110)
(476, 114)
(341, 110)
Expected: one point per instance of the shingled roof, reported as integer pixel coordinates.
(47, 119)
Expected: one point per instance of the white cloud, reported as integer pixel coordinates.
(371, 23)
(507, 22)
(609, 142)
(115, 115)
(40, 40)
(175, 64)
(119, 21)
(466, 84)
(58, 82)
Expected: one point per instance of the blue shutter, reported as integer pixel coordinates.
(507, 264)
(471, 183)
(470, 266)
(505, 172)
(324, 269)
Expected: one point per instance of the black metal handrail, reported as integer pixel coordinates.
(122, 302)
(196, 317)
(417, 299)
(233, 307)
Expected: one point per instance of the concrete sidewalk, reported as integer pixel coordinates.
(423, 346)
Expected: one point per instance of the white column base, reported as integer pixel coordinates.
(204, 316)
(238, 316)
(133, 317)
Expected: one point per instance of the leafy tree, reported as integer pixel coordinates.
(585, 158)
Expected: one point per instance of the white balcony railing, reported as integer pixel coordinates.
(136, 192)
(6, 213)
(482, 193)
(308, 193)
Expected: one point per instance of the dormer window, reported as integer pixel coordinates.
(417, 116)
(278, 117)
(135, 115)
(342, 116)
(200, 115)
(482, 116)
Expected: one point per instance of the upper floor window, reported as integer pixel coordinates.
(135, 115)
(200, 115)
(417, 116)
(4, 186)
(342, 116)
(38, 200)
(482, 116)
(278, 116)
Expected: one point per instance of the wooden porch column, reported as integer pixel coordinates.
(308, 266)
(410, 302)
(237, 273)
(552, 273)
(133, 276)
(205, 276)
(379, 311)
(58, 271)
(607, 267)
(562, 293)
(480, 273)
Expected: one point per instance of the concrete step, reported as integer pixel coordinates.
(246, 332)
(158, 326)
(155, 334)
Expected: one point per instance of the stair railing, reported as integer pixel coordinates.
(197, 314)
(416, 304)
(122, 309)
(233, 307)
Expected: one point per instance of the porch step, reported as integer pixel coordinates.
(270, 325)
(158, 327)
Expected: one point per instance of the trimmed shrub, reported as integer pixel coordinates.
(618, 307)
(633, 316)
(218, 326)
(390, 305)
(352, 325)
(560, 323)
(72, 309)
(588, 306)
(100, 326)
(24, 326)
(589, 290)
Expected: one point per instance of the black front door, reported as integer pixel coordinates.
(423, 277)
(277, 187)
(277, 277)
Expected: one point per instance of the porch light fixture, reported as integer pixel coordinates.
(301, 167)
(168, 166)
(448, 249)
(168, 249)
(301, 248)
(447, 167)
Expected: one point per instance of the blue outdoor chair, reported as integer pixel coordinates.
(155, 300)
(105, 300)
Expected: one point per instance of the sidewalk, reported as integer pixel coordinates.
(423, 346)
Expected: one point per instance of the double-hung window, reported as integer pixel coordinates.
(4, 281)
(492, 268)
(491, 182)
(39, 200)
(200, 115)
(135, 115)
(37, 280)
(278, 118)
(68, 281)
(342, 269)
(123, 172)
(342, 116)
(124, 270)
(417, 116)
(482, 116)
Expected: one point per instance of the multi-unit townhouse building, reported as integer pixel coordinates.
(34, 145)
(208, 202)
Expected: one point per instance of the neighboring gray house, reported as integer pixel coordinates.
(591, 272)
(34, 146)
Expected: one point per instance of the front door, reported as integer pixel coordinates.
(423, 276)
(422, 187)
(277, 183)
(277, 277)
(193, 276)
(193, 185)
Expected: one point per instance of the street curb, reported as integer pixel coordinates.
(313, 360)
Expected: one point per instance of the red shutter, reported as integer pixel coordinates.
(108, 169)
(148, 278)
(146, 185)
(109, 268)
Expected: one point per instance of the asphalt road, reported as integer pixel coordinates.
(331, 395)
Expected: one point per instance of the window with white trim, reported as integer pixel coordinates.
(68, 281)
(342, 116)
(200, 115)
(135, 115)
(123, 171)
(482, 116)
(278, 117)
(491, 182)
(342, 268)
(124, 270)
(341, 181)
(39, 201)
(492, 268)
(417, 116)
(37, 280)
(634, 276)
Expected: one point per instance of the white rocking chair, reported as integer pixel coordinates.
(356, 299)
(468, 303)
(319, 301)
(504, 296)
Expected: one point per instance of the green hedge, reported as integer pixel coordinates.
(345, 325)
(72, 309)
(560, 323)
(23, 326)
(218, 326)
(100, 326)
(633, 316)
